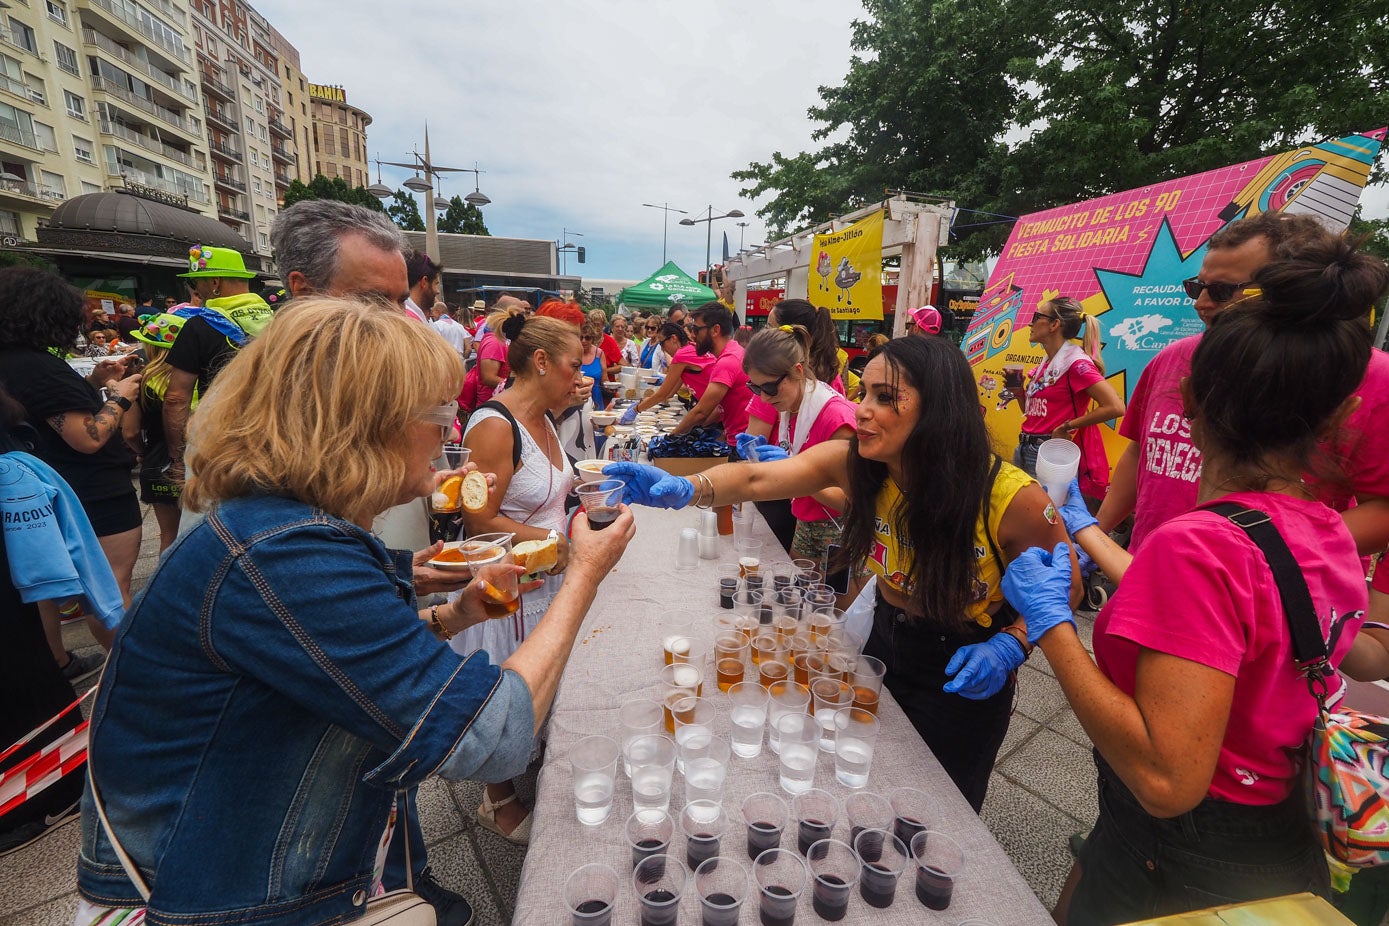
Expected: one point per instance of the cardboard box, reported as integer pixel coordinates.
(1293, 910)
(687, 466)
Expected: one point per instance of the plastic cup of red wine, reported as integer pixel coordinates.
(649, 833)
(659, 883)
(765, 815)
(882, 858)
(911, 812)
(722, 885)
(939, 861)
(781, 876)
(590, 894)
(835, 870)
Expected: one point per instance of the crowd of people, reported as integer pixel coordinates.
(294, 599)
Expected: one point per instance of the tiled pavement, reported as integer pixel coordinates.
(1043, 791)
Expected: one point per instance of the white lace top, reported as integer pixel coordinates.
(537, 490)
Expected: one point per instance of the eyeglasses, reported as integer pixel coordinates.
(696, 329)
(1219, 292)
(444, 416)
(768, 389)
(1048, 316)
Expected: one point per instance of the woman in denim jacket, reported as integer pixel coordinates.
(275, 687)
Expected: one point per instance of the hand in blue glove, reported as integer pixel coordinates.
(748, 443)
(1088, 566)
(651, 485)
(984, 667)
(660, 380)
(1038, 584)
(769, 452)
(1074, 512)
(630, 415)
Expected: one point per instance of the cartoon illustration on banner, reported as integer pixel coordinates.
(849, 265)
(1124, 257)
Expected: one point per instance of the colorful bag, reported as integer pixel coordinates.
(1348, 772)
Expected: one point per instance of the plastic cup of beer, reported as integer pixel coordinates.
(601, 501)
(939, 861)
(730, 648)
(781, 876)
(834, 869)
(773, 669)
(766, 645)
(590, 894)
(911, 810)
(485, 554)
(868, 682)
(829, 695)
(825, 623)
(651, 758)
(649, 833)
(749, 553)
(855, 738)
(784, 698)
(639, 717)
(694, 722)
(748, 714)
(679, 647)
(721, 883)
(703, 824)
(594, 759)
(659, 883)
(796, 736)
(765, 815)
(883, 859)
(819, 597)
(681, 680)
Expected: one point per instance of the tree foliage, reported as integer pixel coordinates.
(321, 187)
(1011, 106)
(462, 218)
(405, 212)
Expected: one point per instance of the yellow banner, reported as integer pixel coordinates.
(848, 264)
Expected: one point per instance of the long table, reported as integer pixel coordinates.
(618, 656)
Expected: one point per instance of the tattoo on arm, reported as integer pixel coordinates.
(98, 427)
(56, 422)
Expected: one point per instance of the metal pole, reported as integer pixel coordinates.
(431, 229)
(665, 229)
(708, 240)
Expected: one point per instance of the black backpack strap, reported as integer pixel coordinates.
(505, 412)
(1309, 649)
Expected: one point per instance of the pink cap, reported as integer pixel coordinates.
(927, 318)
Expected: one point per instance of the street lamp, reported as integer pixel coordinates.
(742, 227)
(565, 246)
(709, 219)
(665, 223)
(423, 182)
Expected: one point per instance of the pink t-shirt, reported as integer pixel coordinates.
(838, 412)
(491, 348)
(727, 370)
(1060, 399)
(698, 369)
(1202, 591)
(1363, 443)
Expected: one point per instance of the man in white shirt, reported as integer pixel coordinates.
(422, 275)
(457, 335)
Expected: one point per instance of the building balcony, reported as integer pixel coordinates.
(222, 118)
(114, 49)
(163, 113)
(225, 213)
(283, 179)
(279, 128)
(117, 130)
(222, 149)
(282, 154)
(130, 24)
(133, 176)
(229, 183)
(19, 136)
(214, 87)
(27, 195)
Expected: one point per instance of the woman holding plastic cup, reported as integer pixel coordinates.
(1067, 393)
(1197, 709)
(936, 517)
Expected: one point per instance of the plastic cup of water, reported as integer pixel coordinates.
(749, 715)
(855, 736)
(651, 757)
(830, 695)
(638, 717)
(797, 734)
(706, 767)
(784, 698)
(594, 759)
(694, 724)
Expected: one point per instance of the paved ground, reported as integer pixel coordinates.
(1043, 791)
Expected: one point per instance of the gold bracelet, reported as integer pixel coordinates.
(436, 625)
(704, 482)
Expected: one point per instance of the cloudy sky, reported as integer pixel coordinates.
(580, 112)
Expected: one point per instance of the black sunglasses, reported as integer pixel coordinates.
(768, 389)
(1220, 292)
(1048, 316)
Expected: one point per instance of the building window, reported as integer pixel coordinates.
(88, 187)
(23, 36)
(82, 150)
(9, 224)
(77, 107)
(260, 104)
(332, 169)
(66, 58)
(17, 126)
(44, 134)
(342, 140)
(56, 11)
(54, 186)
(250, 126)
(255, 185)
(260, 132)
(33, 87)
(264, 243)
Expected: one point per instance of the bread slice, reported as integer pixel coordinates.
(536, 556)
(474, 492)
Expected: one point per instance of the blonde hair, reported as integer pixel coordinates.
(875, 341)
(319, 408)
(540, 332)
(776, 351)
(1072, 316)
(157, 373)
(496, 320)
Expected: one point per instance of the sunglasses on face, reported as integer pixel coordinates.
(1219, 292)
(768, 389)
(1047, 315)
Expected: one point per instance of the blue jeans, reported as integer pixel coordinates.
(1137, 866)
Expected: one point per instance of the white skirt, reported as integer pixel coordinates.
(501, 637)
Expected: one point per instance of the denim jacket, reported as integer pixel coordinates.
(270, 690)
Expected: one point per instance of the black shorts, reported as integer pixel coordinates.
(114, 515)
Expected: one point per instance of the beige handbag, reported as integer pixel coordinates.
(395, 908)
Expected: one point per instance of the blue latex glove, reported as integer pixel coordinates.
(748, 443)
(768, 452)
(1074, 512)
(1088, 566)
(630, 415)
(651, 485)
(984, 667)
(660, 380)
(1038, 584)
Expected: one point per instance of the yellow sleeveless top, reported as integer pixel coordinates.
(890, 557)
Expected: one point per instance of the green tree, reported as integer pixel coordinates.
(1010, 106)
(405, 212)
(321, 187)
(462, 218)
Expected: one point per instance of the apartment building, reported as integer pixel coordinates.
(97, 95)
(248, 137)
(339, 135)
(294, 87)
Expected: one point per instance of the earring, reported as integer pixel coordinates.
(543, 371)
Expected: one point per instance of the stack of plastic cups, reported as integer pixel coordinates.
(1058, 461)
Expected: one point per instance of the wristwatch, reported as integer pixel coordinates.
(122, 401)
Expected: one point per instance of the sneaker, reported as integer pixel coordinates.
(15, 839)
(80, 667)
(450, 909)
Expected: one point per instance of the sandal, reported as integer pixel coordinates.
(487, 819)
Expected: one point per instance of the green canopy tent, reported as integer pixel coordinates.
(665, 288)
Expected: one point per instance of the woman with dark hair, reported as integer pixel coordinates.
(1193, 700)
(77, 430)
(1067, 394)
(825, 362)
(936, 517)
(684, 368)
